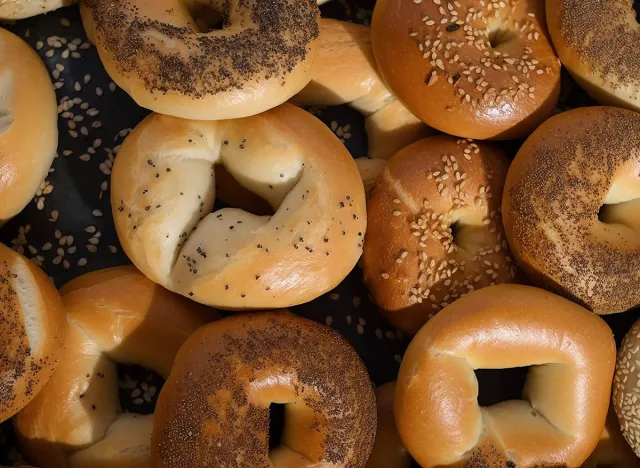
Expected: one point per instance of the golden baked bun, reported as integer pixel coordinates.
(20, 9)
(114, 315)
(435, 230)
(626, 387)
(612, 450)
(571, 207)
(597, 43)
(32, 331)
(163, 191)
(214, 408)
(472, 68)
(206, 60)
(560, 418)
(346, 73)
(28, 123)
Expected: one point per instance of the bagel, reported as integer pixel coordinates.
(571, 207)
(32, 331)
(435, 232)
(169, 59)
(20, 9)
(114, 315)
(565, 397)
(346, 73)
(471, 68)
(27, 103)
(596, 41)
(163, 189)
(214, 408)
(612, 450)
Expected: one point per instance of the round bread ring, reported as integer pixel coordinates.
(571, 207)
(163, 189)
(437, 57)
(27, 102)
(154, 51)
(32, 331)
(566, 394)
(214, 407)
(612, 450)
(597, 43)
(346, 73)
(20, 9)
(626, 388)
(435, 232)
(388, 451)
(114, 315)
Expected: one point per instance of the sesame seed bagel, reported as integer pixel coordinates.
(470, 68)
(346, 73)
(20, 9)
(435, 232)
(571, 207)
(170, 59)
(597, 43)
(27, 103)
(32, 331)
(560, 418)
(114, 315)
(214, 407)
(163, 191)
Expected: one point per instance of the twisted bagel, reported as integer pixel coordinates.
(565, 398)
(163, 190)
(113, 315)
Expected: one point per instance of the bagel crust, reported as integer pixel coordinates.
(20, 9)
(571, 207)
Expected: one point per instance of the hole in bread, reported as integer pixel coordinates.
(498, 385)
(229, 192)
(499, 36)
(276, 425)
(205, 17)
(138, 388)
(636, 8)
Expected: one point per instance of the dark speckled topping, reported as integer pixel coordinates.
(212, 63)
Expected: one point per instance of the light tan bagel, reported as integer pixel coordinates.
(19, 9)
(612, 450)
(114, 315)
(32, 331)
(562, 414)
(571, 207)
(597, 43)
(163, 190)
(472, 68)
(167, 61)
(435, 230)
(27, 102)
(346, 73)
(214, 408)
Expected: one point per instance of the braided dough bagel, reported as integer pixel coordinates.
(214, 407)
(114, 315)
(435, 232)
(471, 68)
(32, 331)
(562, 414)
(27, 102)
(163, 190)
(597, 43)
(168, 60)
(571, 207)
(20, 9)
(346, 73)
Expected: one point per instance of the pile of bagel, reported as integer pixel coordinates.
(483, 260)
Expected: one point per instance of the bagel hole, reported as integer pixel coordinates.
(276, 424)
(500, 36)
(498, 385)
(138, 388)
(229, 193)
(205, 17)
(636, 8)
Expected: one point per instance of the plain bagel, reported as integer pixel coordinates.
(172, 58)
(20, 9)
(571, 207)
(560, 419)
(163, 191)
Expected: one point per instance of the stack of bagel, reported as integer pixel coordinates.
(484, 259)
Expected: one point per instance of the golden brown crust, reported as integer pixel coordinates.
(626, 388)
(32, 331)
(570, 167)
(437, 58)
(565, 397)
(214, 408)
(19, 9)
(612, 450)
(435, 232)
(27, 102)
(231, 258)
(262, 56)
